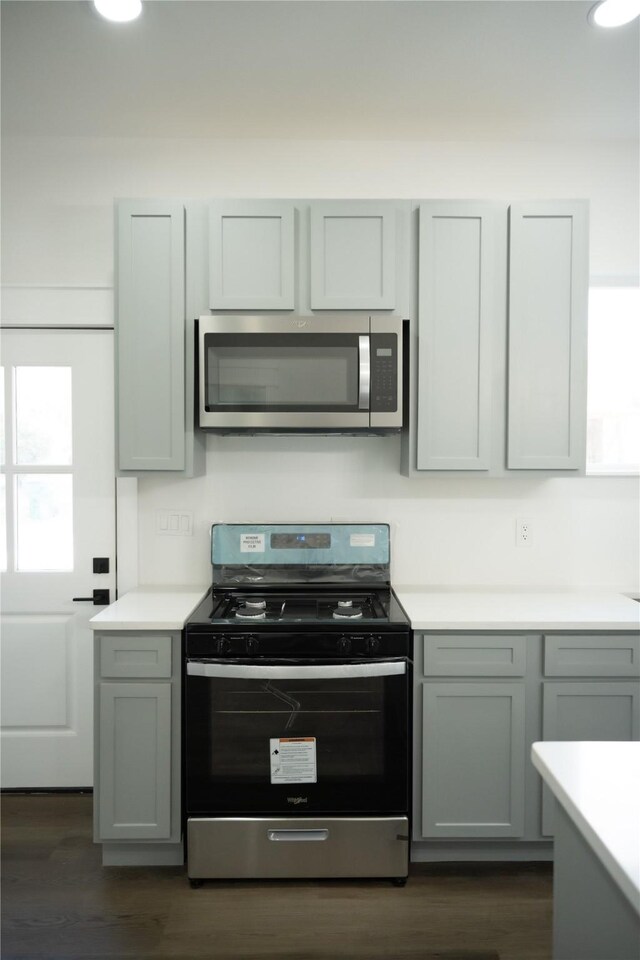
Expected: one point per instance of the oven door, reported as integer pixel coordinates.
(273, 373)
(275, 737)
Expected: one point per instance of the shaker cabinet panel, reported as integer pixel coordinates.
(468, 655)
(134, 751)
(587, 710)
(353, 256)
(576, 655)
(150, 338)
(473, 770)
(548, 281)
(459, 282)
(252, 257)
(135, 656)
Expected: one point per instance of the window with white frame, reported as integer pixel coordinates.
(613, 400)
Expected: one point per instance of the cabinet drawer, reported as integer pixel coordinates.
(459, 655)
(589, 656)
(128, 656)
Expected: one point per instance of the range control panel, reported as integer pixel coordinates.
(238, 646)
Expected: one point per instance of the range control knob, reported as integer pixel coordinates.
(373, 645)
(344, 645)
(223, 645)
(251, 645)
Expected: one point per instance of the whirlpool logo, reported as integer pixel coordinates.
(297, 800)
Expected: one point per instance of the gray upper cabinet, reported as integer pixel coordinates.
(251, 255)
(150, 325)
(459, 282)
(548, 277)
(501, 338)
(353, 255)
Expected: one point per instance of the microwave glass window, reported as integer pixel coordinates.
(278, 376)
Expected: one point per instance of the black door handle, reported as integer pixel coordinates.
(100, 598)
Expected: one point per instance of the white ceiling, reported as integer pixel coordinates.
(320, 69)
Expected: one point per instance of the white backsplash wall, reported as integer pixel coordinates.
(454, 532)
(57, 221)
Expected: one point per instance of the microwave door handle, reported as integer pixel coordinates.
(364, 354)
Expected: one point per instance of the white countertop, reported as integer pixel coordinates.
(150, 608)
(598, 784)
(517, 609)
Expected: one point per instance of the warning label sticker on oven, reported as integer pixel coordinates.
(293, 760)
(252, 543)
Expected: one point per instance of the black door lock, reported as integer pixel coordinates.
(101, 564)
(100, 598)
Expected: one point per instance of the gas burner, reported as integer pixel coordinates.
(346, 611)
(252, 610)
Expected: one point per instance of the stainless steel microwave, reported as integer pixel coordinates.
(328, 374)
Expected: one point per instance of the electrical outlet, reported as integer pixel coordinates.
(524, 533)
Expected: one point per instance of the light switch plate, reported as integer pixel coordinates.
(174, 523)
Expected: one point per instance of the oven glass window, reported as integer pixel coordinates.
(281, 373)
(355, 728)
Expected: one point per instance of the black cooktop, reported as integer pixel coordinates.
(299, 609)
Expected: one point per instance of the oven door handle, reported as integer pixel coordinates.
(312, 671)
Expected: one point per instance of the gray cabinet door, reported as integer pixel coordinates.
(473, 759)
(587, 710)
(460, 280)
(353, 255)
(548, 286)
(150, 335)
(134, 761)
(251, 255)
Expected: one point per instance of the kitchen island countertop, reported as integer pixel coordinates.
(598, 784)
(517, 609)
(150, 608)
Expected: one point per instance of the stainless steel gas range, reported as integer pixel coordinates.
(297, 681)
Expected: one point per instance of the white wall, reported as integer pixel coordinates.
(58, 231)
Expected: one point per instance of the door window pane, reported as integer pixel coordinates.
(2, 425)
(3, 524)
(43, 415)
(44, 526)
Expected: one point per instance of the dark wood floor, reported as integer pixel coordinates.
(59, 903)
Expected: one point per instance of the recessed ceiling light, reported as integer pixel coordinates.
(119, 10)
(614, 13)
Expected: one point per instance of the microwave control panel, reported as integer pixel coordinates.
(384, 373)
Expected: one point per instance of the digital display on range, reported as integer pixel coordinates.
(298, 541)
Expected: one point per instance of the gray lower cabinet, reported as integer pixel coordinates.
(472, 734)
(480, 701)
(473, 759)
(135, 764)
(597, 707)
(137, 748)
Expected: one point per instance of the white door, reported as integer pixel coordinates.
(59, 500)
